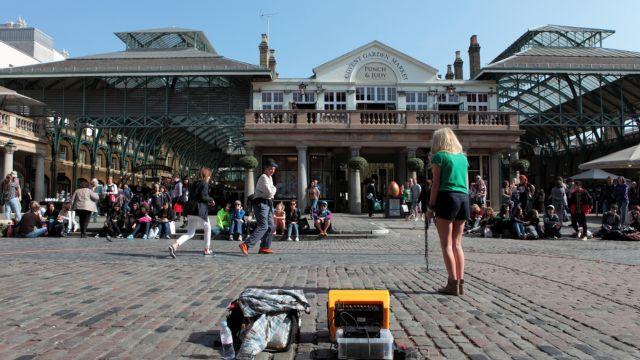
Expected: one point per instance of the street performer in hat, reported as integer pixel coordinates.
(263, 211)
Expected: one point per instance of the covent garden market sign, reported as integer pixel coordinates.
(376, 71)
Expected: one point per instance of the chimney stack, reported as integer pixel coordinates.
(272, 63)
(474, 56)
(449, 75)
(264, 51)
(457, 67)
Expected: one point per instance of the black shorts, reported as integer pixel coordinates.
(452, 206)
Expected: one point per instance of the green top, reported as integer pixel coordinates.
(223, 219)
(453, 171)
(406, 195)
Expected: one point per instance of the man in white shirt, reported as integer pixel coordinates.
(263, 211)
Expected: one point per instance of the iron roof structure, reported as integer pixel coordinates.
(166, 38)
(571, 94)
(556, 36)
(169, 89)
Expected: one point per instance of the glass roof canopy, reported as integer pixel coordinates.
(166, 38)
(567, 88)
(556, 36)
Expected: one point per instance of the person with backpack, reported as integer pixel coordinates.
(197, 210)
(371, 196)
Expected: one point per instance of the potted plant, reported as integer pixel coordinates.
(248, 162)
(357, 163)
(521, 165)
(415, 164)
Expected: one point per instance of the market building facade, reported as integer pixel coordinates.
(378, 103)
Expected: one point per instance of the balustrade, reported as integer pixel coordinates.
(488, 118)
(363, 119)
(13, 122)
(446, 118)
(369, 117)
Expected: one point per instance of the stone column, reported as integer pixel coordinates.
(494, 179)
(355, 202)
(9, 149)
(249, 180)
(39, 194)
(411, 152)
(302, 176)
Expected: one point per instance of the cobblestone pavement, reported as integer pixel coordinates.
(89, 299)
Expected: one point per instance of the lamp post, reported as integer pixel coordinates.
(537, 151)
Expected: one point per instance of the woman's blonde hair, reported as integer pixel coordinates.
(445, 140)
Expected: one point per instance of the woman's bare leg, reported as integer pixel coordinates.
(445, 230)
(458, 229)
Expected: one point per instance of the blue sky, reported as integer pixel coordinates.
(308, 33)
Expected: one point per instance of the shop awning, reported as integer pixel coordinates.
(594, 174)
(627, 158)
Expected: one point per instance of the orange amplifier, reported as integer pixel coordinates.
(359, 309)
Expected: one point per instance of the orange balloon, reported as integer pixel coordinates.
(393, 189)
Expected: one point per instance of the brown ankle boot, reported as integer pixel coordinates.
(451, 288)
(461, 287)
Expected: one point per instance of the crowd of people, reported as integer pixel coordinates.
(527, 213)
(154, 212)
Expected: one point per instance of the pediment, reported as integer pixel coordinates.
(376, 63)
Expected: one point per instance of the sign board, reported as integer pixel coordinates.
(375, 72)
(160, 167)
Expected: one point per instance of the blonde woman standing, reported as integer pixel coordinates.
(450, 202)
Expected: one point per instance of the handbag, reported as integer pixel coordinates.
(487, 232)
(405, 208)
(370, 196)
(172, 227)
(377, 205)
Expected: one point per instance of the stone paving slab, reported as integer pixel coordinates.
(87, 298)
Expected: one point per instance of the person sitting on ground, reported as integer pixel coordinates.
(532, 225)
(65, 217)
(580, 206)
(164, 219)
(292, 217)
(518, 224)
(635, 218)
(143, 223)
(237, 220)
(552, 223)
(114, 223)
(223, 220)
(32, 224)
(611, 226)
(322, 218)
(488, 223)
(473, 224)
(279, 218)
(51, 215)
(130, 218)
(503, 222)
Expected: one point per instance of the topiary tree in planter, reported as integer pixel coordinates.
(415, 164)
(357, 163)
(521, 165)
(248, 162)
